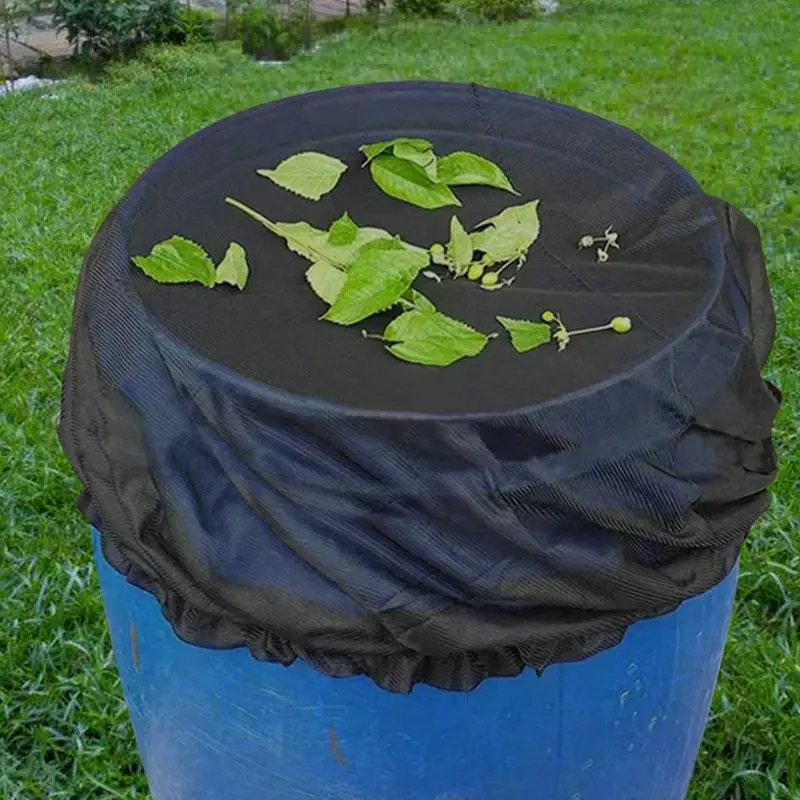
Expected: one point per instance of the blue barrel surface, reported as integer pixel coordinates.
(218, 725)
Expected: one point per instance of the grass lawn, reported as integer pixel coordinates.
(716, 84)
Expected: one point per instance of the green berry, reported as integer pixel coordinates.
(621, 324)
(475, 272)
(436, 249)
(548, 316)
(490, 279)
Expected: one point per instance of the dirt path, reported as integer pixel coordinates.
(35, 38)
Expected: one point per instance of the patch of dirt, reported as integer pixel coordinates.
(36, 39)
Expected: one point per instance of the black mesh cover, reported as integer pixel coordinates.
(280, 483)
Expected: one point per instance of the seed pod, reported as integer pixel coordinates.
(475, 271)
(621, 324)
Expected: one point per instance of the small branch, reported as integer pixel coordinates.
(30, 47)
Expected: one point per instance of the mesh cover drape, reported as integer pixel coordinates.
(281, 484)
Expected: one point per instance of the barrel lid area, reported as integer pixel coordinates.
(589, 175)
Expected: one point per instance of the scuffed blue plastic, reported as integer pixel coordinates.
(217, 725)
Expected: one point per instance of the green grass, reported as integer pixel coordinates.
(716, 84)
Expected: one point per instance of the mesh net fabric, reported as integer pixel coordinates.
(282, 484)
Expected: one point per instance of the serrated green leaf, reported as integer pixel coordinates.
(233, 268)
(420, 302)
(343, 231)
(381, 273)
(311, 175)
(314, 244)
(325, 280)
(426, 159)
(459, 248)
(526, 335)
(525, 214)
(373, 150)
(432, 338)
(509, 234)
(178, 260)
(406, 181)
(468, 169)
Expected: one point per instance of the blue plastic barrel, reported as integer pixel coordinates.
(218, 725)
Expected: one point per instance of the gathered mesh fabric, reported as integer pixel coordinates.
(280, 484)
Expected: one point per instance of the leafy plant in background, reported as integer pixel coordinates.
(495, 10)
(232, 8)
(9, 13)
(99, 28)
(420, 8)
(199, 25)
(374, 7)
(269, 35)
(162, 23)
(116, 28)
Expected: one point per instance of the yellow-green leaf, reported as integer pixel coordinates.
(178, 260)
(526, 335)
(311, 175)
(233, 268)
(407, 181)
(420, 302)
(468, 169)
(508, 235)
(459, 248)
(325, 280)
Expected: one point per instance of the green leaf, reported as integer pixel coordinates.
(526, 335)
(432, 338)
(310, 175)
(509, 235)
(469, 169)
(459, 248)
(373, 150)
(426, 159)
(343, 231)
(178, 260)
(233, 268)
(419, 301)
(314, 244)
(325, 280)
(381, 274)
(406, 181)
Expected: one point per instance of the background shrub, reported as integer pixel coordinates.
(116, 28)
(161, 22)
(421, 8)
(199, 25)
(266, 35)
(500, 10)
